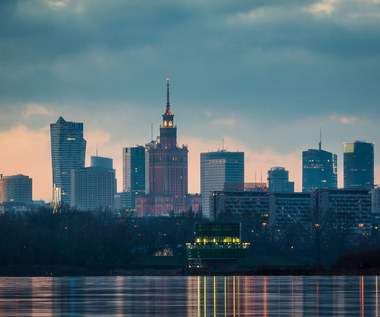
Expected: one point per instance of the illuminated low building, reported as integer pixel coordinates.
(217, 246)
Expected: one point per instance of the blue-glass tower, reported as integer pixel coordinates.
(358, 165)
(319, 169)
(68, 151)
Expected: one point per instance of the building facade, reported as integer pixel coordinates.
(16, 189)
(278, 180)
(167, 173)
(103, 162)
(319, 170)
(217, 169)
(290, 208)
(134, 173)
(239, 203)
(358, 165)
(68, 151)
(347, 210)
(93, 188)
(375, 199)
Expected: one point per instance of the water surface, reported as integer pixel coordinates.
(190, 296)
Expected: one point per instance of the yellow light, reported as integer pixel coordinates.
(317, 224)
(264, 224)
(360, 225)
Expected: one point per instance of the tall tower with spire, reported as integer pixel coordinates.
(168, 131)
(168, 167)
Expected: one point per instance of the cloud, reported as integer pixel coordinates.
(228, 122)
(36, 109)
(344, 119)
(324, 7)
(57, 3)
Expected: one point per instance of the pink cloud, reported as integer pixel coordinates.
(26, 151)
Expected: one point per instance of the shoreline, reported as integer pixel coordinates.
(65, 271)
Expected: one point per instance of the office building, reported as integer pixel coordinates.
(319, 169)
(239, 203)
(358, 165)
(134, 173)
(278, 180)
(375, 198)
(290, 208)
(16, 189)
(348, 210)
(68, 151)
(217, 169)
(93, 188)
(103, 162)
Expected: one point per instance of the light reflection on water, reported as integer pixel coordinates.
(191, 296)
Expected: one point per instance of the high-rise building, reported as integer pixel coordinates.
(375, 199)
(319, 169)
(16, 189)
(358, 165)
(134, 173)
(217, 169)
(134, 168)
(94, 187)
(68, 151)
(168, 164)
(100, 161)
(278, 180)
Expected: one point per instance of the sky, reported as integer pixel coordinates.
(263, 75)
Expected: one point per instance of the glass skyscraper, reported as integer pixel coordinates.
(278, 180)
(319, 169)
(134, 172)
(68, 151)
(358, 165)
(217, 169)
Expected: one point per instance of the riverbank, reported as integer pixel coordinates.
(176, 266)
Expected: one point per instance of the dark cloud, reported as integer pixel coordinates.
(262, 61)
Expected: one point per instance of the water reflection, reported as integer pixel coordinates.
(191, 296)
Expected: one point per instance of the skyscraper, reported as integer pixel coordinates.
(134, 173)
(100, 161)
(68, 151)
(93, 187)
(168, 164)
(16, 189)
(278, 180)
(217, 169)
(358, 165)
(319, 169)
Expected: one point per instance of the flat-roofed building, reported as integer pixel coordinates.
(93, 188)
(16, 189)
(217, 169)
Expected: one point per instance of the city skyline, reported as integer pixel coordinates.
(262, 76)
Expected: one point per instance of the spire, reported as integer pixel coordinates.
(167, 92)
(168, 111)
(320, 138)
